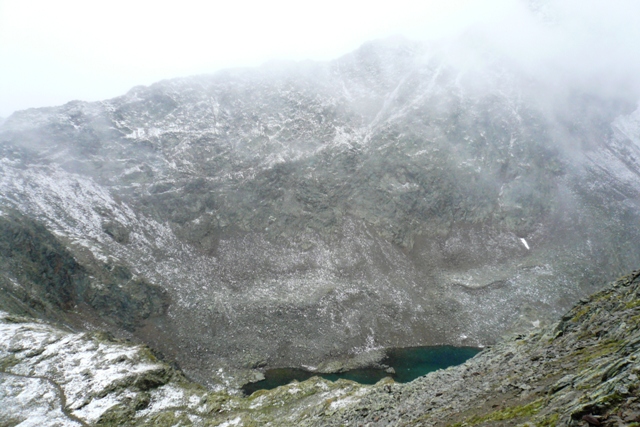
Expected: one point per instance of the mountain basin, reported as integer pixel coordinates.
(408, 363)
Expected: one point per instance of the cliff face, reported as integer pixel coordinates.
(299, 213)
(41, 278)
(582, 369)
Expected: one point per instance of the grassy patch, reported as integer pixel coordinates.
(550, 421)
(632, 304)
(504, 414)
(167, 419)
(596, 351)
(580, 313)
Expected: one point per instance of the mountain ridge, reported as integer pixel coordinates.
(393, 197)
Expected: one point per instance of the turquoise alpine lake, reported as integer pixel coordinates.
(408, 364)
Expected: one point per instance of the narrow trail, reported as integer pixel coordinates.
(59, 391)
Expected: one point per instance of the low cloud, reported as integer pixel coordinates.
(591, 45)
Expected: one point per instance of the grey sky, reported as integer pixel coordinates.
(54, 51)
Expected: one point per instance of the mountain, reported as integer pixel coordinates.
(582, 370)
(312, 214)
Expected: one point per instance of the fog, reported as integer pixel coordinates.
(54, 52)
(591, 45)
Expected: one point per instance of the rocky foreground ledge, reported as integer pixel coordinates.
(581, 371)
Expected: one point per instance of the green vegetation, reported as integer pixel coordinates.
(117, 415)
(508, 413)
(580, 313)
(550, 421)
(167, 419)
(632, 304)
(586, 355)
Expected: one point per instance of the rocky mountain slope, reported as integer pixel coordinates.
(310, 213)
(582, 370)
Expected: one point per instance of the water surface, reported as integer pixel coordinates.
(408, 363)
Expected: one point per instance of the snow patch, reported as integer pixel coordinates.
(233, 422)
(96, 408)
(338, 404)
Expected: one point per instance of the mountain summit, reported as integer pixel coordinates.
(311, 214)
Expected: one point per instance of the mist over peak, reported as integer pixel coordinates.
(589, 43)
(584, 45)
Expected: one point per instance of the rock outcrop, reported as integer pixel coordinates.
(582, 370)
(42, 278)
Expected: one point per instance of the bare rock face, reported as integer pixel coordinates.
(306, 213)
(43, 279)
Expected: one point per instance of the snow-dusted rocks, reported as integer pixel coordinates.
(585, 365)
(32, 402)
(53, 377)
(299, 214)
(71, 377)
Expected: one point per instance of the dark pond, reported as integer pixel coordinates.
(409, 364)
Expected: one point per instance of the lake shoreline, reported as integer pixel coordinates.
(401, 364)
